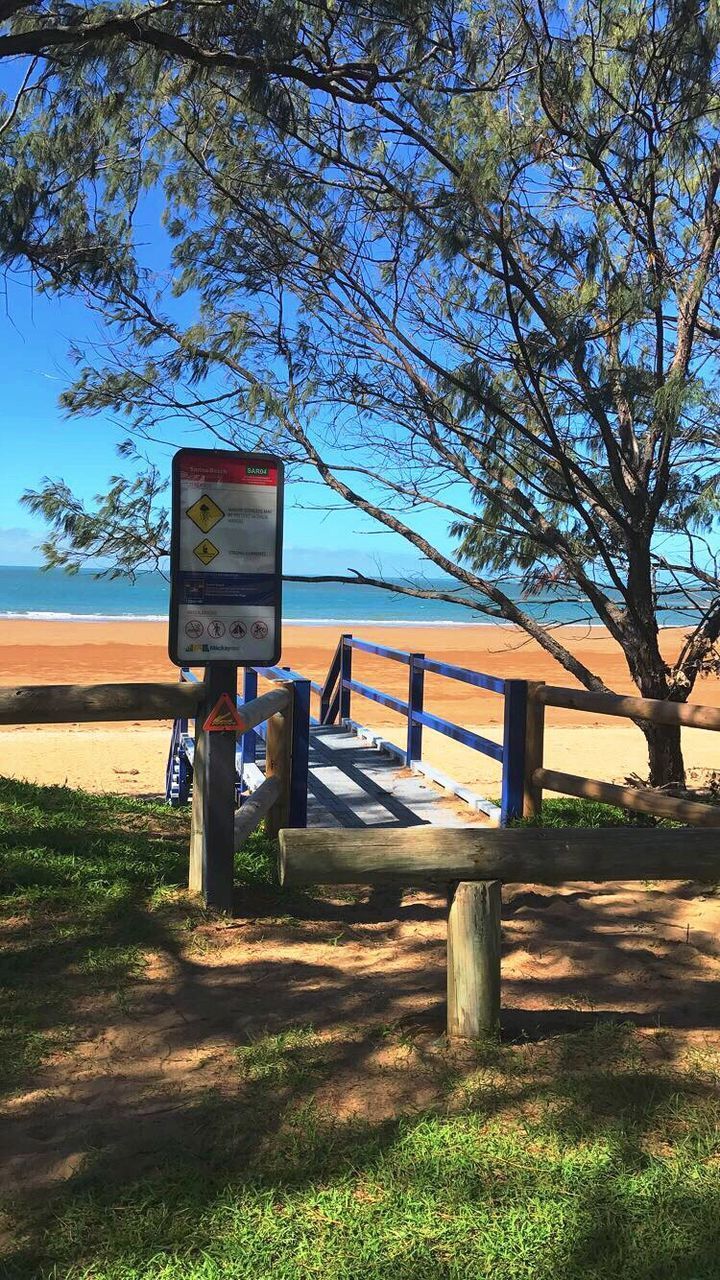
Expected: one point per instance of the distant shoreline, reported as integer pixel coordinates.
(91, 618)
(342, 623)
(30, 595)
(132, 756)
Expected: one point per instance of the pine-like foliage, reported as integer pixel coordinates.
(456, 256)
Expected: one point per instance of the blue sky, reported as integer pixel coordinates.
(40, 440)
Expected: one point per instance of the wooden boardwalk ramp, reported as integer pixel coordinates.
(352, 783)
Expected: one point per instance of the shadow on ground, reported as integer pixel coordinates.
(273, 1096)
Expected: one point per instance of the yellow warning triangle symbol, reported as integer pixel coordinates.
(224, 715)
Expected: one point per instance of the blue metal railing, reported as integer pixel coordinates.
(335, 705)
(180, 762)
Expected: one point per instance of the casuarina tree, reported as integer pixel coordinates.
(485, 282)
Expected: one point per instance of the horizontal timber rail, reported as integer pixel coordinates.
(71, 703)
(655, 710)
(473, 863)
(530, 855)
(637, 799)
(261, 709)
(627, 707)
(255, 809)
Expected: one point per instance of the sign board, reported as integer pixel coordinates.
(225, 559)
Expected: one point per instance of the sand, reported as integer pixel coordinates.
(131, 758)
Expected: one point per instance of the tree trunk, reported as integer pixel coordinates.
(667, 768)
(649, 669)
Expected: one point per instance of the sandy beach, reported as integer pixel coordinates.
(131, 757)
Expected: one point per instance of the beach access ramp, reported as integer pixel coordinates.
(345, 774)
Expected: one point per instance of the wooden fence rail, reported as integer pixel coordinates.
(473, 862)
(655, 710)
(638, 799)
(535, 855)
(71, 703)
(215, 832)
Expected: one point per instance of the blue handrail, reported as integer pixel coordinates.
(510, 753)
(374, 695)
(381, 650)
(456, 731)
(493, 683)
(335, 694)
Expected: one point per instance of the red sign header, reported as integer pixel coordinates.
(202, 470)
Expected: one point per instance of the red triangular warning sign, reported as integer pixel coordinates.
(224, 715)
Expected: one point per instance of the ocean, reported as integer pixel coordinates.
(58, 596)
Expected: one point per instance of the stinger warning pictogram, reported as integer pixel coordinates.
(205, 513)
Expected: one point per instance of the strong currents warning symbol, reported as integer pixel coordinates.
(206, 551)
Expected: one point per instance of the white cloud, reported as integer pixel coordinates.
(18, 546)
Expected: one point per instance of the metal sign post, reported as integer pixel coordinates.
(225, 612)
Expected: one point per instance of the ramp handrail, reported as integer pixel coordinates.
(520, 753)
(510, 753)
(248, 776)
(334, 695)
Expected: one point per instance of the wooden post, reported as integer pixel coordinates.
(183, 766)
(345, 674)
(197, 820)
(250, 688)
(299, 710)
(473, 959)
(278, 763)
(534, 745)
(212, 852)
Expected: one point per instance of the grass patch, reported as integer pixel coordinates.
(88, 885)
(582, 1157)
(288, 1057)
(569, 812)
(79, 875)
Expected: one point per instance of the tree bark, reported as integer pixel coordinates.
(649, 669)
(667, 767)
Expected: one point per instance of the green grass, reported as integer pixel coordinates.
(577, 1159)
(584, 1157)
(568, 812)
(88, 884)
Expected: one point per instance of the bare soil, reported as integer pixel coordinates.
(367, 973)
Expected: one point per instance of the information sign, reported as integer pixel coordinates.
(225, 562)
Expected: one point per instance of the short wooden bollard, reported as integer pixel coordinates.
(473, 959)
(278, 763)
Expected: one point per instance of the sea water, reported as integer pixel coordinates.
(58, 596)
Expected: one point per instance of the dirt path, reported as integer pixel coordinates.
(367, 976)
